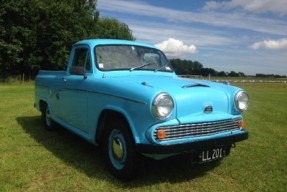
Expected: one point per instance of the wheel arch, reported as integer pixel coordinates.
(42, 104)
(106, 116)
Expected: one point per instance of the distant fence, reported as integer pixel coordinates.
(251, 81)
(191, 76)
(235, 80)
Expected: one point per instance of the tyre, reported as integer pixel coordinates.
(48, 122)
(120, 150)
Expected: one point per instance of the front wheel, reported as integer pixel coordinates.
(120, 151)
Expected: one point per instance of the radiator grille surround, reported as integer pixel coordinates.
(198, 129)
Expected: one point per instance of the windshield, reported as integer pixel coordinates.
(130, 57)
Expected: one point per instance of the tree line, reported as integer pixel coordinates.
(188, 67)
(38, 34)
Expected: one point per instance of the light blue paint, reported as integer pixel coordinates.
(77, 102)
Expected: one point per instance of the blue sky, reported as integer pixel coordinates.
(248, 36)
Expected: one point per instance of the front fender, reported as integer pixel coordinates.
(128, 117)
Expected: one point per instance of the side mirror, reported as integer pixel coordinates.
(79, 70)
(85, 74)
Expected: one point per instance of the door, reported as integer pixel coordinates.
(73, 96)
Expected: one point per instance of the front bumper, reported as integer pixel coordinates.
(192, 146)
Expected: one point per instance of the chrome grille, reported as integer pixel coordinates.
(198, 129)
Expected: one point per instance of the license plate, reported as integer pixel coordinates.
(211, 155)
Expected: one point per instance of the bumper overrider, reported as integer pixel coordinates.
(192, 146)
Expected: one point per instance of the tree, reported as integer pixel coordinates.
(221, 74)
(17, 36)
(38, 34)
(187, 67)
(233, 74)
(113, 29)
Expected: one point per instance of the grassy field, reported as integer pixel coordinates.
(32, 159)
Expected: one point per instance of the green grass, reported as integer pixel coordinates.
(32, 159)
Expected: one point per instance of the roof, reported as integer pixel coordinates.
(95, 42)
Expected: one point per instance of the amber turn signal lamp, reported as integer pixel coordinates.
(160, 134)
(241, 124)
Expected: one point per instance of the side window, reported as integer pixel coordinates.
(81, 62)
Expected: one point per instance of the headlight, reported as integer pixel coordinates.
(241, 101)
(162, 106)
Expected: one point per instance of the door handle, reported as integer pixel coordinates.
(64, 79)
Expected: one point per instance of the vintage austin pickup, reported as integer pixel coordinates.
(125, 97)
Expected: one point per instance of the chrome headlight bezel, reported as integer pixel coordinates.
(162, 106)
(241, 101)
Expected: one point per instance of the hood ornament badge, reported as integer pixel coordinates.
(208, 109)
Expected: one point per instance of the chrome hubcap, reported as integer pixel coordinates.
(48, 117)
(118, 149)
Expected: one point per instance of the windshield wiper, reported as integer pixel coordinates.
(164, 66)
(141, 66)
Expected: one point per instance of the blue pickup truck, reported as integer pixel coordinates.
(125, 97)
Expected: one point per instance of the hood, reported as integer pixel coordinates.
(193, 98)
(156, 81)
(169, 84)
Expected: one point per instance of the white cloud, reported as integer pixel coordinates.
(262, 6)
(270, 44)
(156, 32)
(173, 47)
(230, 20)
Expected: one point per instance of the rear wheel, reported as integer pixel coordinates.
(120, 150)
(48, 122)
